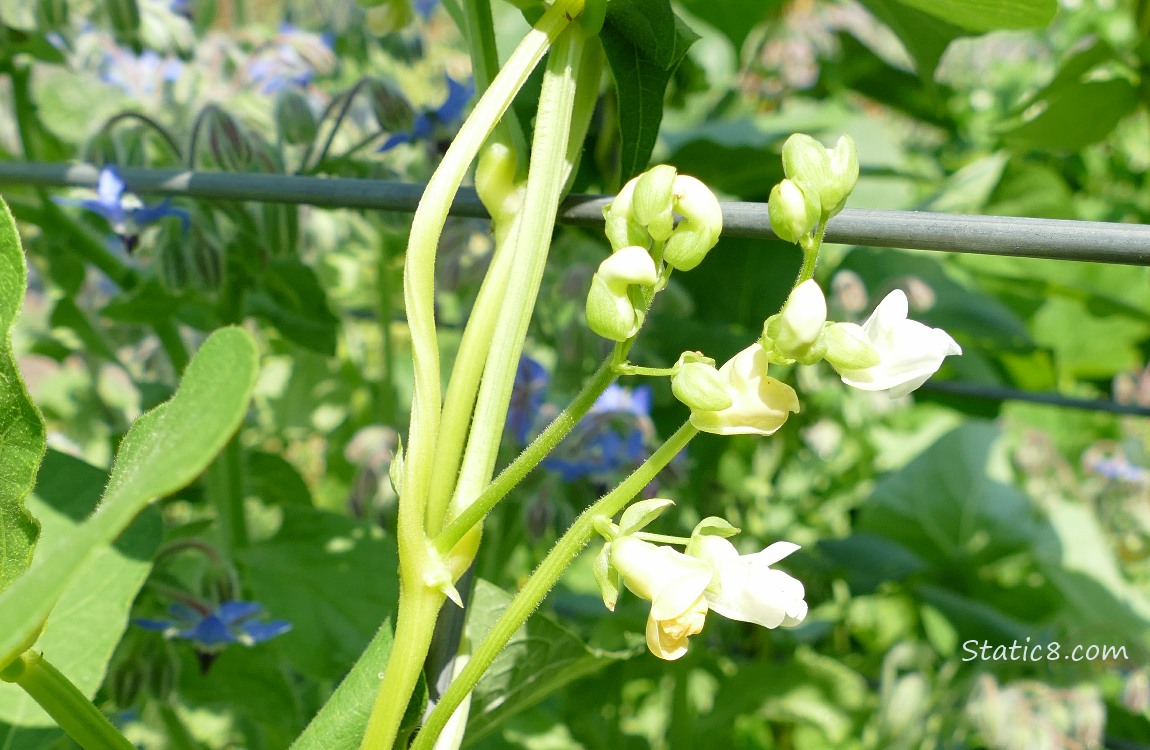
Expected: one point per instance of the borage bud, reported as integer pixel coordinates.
(698, 385)
(795, 333)
(294, 118)
(226, 140)
(760, 404)
(653, 200)
(392, 111)
(610, 311)
(793, 215)
(700, 228)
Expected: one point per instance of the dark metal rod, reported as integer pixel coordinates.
(1103, 242)
(1002, 393)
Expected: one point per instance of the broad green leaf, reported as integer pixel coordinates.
(84, 628)
(644, 42)
(165, 449)
(1061, 126)
(925, 36)
(335, 579)
(988, 15)
(21, 426)
(734, 18)
(252, 684)
(340, 724)
(289, 296)
(966, 518)
(1087, 345)
(540, 658)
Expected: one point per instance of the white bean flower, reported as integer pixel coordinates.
(908, 352)
(747, 588)
(760, 404)
(674, 583)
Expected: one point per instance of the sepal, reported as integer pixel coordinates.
(640, 514)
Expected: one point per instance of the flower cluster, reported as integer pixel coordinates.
(647, 242)
(709, 575)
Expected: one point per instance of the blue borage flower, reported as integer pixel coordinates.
(123, 210)
(211, 631)
(138, 75)
(448, 113)
(292, 59)
(425, 8)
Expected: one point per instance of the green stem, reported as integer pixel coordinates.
(541, 204)
(526, 461)
(345, 107)
(169, 335)
(226, 489)
(654, 372)
(811, 254)
(384, 311)
(418, 603)
(480, 33)
(541, 581)
(165, 135)
(64, 702)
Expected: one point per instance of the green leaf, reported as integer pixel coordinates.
(1087, 345)
(83, 630)
(1061, 126)
(925, 36)
(644, 42)
(22, 438)
(340, 724)
(542, 657)
(988, 15)
(165, 449)
(335, 579)
(289, 296)
(967, 519)
(734, 18)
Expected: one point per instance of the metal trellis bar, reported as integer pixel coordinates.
(1103, 242)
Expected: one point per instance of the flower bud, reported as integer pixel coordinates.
(697, 384)
(629, 265)
(495, 180)
(226, 141)
(391, 109)
(294, 117)
(793, 215)
(807, 163)
(652, 201)
(844, 172)
(700, 228)
(848, 347)
(621, 227)
(610, 312)
(801, 322)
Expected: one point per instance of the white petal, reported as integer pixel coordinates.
(893, 309)
(773, 553)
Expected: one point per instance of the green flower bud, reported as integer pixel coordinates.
(226, 140)
(849, 348)
(801, 322)
(653, 201)
(392, 111)
(700, 227)
(844, 172)
(294, 117)
(610, 311)
(621, 227)
(697, 384)
(495, 181)
(807, 163)
(629, 265)
(793, 215)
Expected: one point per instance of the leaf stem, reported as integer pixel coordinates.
(64, 702)
(541, 582)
